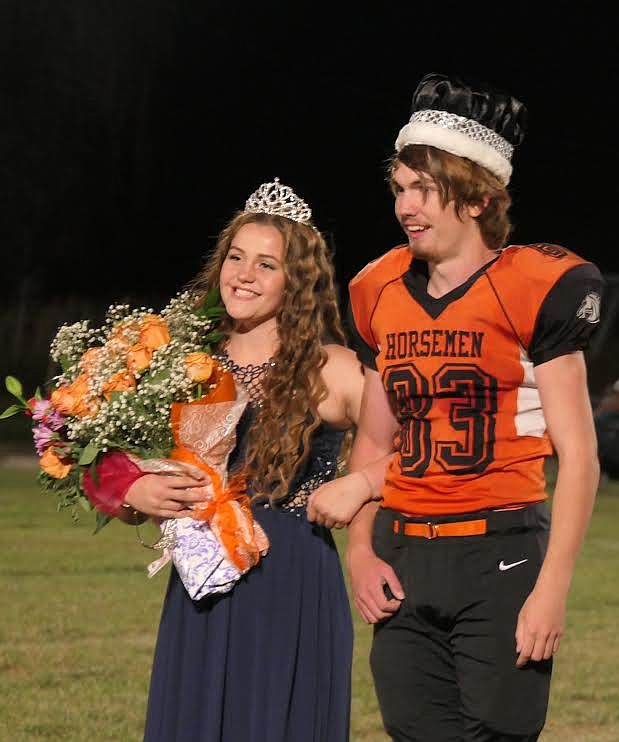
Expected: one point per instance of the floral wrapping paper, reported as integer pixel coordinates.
(212, 550)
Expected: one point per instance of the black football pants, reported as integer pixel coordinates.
(444, 666)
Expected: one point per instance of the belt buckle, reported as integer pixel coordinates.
(432, 530)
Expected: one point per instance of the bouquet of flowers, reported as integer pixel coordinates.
(146, 385)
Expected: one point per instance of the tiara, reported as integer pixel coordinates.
(280, 200)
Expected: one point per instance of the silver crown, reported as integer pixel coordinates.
(471, 128)
(280, 200)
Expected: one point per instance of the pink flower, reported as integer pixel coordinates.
(39, 407)
(55, 420)
(43, 412)
(43, 438)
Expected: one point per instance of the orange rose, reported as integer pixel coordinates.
(154, 332)
(89, 359)
(138, 358)
(199, 366)
(54, 465)
(123, 335)
(121, 381)
(71, 399)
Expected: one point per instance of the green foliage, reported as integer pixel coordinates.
(12, 410)
(156, 378)
(65, 363)
(102, 520)
(92, 468)
(89, 455)
(212, 299)
(68, 491)
(211, 306)
(15, 388)
(85, 504)
(213, 337)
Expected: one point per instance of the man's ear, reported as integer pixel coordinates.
(476, 209)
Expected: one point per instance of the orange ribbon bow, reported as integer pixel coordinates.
(228, 513)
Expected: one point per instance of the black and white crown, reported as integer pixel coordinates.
(477, 121)
(280, 200)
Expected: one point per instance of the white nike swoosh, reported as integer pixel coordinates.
(503, 566)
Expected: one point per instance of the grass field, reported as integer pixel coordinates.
(78, 618)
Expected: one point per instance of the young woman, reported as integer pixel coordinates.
(269, 661)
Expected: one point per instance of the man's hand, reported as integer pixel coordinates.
(370, 577)
(335, 503)
(540, 625)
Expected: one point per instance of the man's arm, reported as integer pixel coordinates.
(562, 384)
(374, 441)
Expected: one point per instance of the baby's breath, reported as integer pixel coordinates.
(138, 420)
(70, 343)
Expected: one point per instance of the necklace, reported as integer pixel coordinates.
(250, 375)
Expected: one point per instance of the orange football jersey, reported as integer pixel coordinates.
(459, 371)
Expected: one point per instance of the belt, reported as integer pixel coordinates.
(435, 530)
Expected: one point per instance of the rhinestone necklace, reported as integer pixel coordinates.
(250, 375)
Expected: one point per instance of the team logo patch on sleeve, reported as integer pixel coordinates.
(589, 310)
(554, 251)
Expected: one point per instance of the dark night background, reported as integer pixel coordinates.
(133, 129)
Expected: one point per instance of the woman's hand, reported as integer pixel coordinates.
(334, 504)
(167, 495)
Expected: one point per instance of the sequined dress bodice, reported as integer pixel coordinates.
(319, 466)
(325, 443)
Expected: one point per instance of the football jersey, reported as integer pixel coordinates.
(458, 371)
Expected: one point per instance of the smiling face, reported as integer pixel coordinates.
(252, 277)
(435, 232)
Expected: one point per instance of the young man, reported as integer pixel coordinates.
(474, 372)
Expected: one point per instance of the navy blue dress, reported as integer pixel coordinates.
(269, 661)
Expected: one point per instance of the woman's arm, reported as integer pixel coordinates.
(121, 489)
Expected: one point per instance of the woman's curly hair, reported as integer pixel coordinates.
(279, 439)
